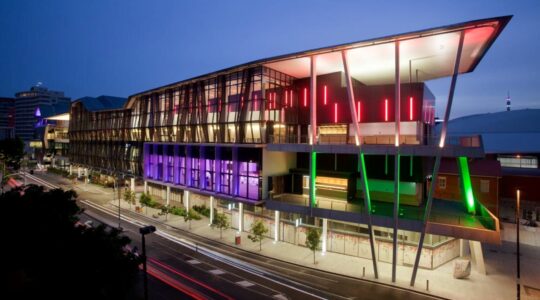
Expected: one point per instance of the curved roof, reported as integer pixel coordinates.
(430, 53)
(102, 102)
(515, 131)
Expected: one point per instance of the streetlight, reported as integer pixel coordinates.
(517, 245)
(144, 231)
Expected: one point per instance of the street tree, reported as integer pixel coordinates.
(129, 197)
(221, 222)
(145, 201)
(313, 239)
(258, 231)
(51, 257)
(191, 215)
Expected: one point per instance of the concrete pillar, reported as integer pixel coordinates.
(240, 216)
(276, 226)
(132, 184)
(70, 170)
(145, 190)
(168, 195)
(211, 210)
(463, 248)
(264, 187)
(186, 200)
(477, 257)
(324, 235)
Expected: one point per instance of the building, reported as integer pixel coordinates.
(511, 139)
(31, 110)
(56, 141)
(95, 134)
(7, 118)
(312, 139)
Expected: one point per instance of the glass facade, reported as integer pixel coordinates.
(212, 169)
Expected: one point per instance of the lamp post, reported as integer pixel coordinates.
(144, 231)
(517, 246)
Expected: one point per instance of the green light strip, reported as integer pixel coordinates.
(313, 175)
(365, 180)
(411, 166)
(466, 183)
(386, 164)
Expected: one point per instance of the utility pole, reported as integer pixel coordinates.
(517, 246)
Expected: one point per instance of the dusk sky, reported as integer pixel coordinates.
(118, 48)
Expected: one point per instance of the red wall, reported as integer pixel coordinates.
(528, 186)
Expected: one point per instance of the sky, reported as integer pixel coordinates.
(119, 48)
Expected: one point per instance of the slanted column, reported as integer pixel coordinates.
(361, 161)
(442, 141)
(276, 226)
(324, 235)
(397, 117)
(477, 257)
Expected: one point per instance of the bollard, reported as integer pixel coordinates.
(427, 284)
(363, 271)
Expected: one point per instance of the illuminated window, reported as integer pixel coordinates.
(442, 183)
(484, 186)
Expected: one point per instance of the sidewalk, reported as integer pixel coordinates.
(500, 262)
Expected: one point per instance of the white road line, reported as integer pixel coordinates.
(245, 283)
(247, 267)
(217, 272)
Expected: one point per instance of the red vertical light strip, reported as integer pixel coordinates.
(275, 101)
(242, 102)
(335, 113)
(325, 95)
(386, 109)
(255, 103)
(305, 97)
(292, 103)
(411, 108)
(286, 99)
(359, 111)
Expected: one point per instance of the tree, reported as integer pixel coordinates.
(129, 197)
(146, 200)
(259, 230)
(220, 221)
(165, 209)
(191, 215)
(50, 257)
(11, 153)
(313, 239)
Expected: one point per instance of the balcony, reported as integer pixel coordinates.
(447, 217)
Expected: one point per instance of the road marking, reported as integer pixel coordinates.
(217, 272)
(193, 261)
(245, 283)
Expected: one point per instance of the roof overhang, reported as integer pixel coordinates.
(59, 117)
(424, 55)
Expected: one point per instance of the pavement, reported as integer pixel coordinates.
(500, 259)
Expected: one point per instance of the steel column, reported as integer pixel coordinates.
(397, 118)
(361, 163)
(438, 157)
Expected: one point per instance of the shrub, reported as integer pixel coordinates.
(203, 210)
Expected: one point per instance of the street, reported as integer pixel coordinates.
(226, 271)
